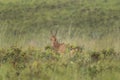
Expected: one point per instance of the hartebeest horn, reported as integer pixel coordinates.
(53, 33)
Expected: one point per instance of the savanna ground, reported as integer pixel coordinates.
(91, 25)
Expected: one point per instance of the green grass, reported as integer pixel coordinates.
(78, 22)
(91, 24)
(31, 64)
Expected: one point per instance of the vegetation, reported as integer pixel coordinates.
(91, 25)
(49, 65)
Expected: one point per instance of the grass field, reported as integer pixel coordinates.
(25, 27)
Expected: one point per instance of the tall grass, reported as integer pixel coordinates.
(90, 24)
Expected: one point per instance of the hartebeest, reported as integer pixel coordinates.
(59, 47)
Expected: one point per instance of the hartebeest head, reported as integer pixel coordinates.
(53, 37)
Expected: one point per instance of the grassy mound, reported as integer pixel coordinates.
(33, 64)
